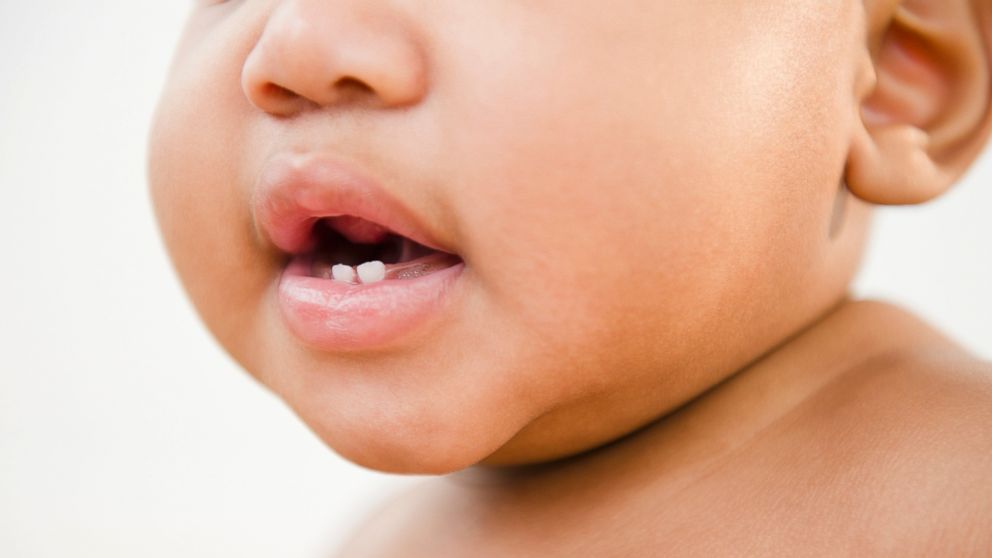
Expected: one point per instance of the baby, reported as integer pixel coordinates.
(590, 261)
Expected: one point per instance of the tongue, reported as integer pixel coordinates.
(357, 230)
(419, 267)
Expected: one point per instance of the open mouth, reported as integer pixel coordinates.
(355, 285)
(364, 272)
(355, 251)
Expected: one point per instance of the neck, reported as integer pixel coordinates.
(851, 335)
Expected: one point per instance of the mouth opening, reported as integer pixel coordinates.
(353, 242)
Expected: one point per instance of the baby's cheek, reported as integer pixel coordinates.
(635, 220)
(201, 210)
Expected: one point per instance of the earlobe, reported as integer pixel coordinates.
(893, 165)
(924, 100)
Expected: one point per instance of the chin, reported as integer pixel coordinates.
(424, 444)
(389, 453)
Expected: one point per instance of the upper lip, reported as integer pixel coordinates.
(297, 189)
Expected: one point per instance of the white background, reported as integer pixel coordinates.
(124, 430)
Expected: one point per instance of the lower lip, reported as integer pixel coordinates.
(334, 316)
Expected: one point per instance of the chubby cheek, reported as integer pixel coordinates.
(677, 200)
(194, 162)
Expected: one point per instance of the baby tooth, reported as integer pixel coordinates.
(371, 272)
(342, 272)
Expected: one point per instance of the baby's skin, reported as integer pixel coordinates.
(589, 263)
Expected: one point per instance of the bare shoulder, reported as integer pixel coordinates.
(912, 432)
(946, 395)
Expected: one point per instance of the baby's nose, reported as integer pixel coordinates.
(315, 53)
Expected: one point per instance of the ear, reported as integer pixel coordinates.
(924, 92)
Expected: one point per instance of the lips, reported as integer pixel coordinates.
(324, 214)
(296, 190)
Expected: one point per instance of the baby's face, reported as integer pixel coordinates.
(622, 203)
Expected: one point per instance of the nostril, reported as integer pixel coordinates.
(284, 100)
(276, 99)
(277, 91)
(353, 90)
(349, 82)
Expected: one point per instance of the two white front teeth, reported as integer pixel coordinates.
(368, 272)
